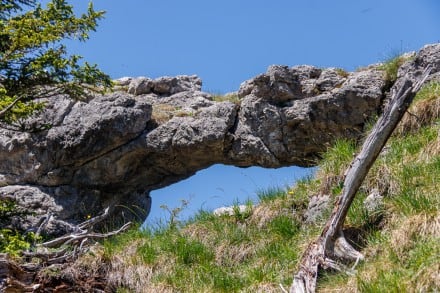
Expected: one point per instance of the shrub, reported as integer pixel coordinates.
(12, 241)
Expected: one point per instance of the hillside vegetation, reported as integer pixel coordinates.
(258, 249)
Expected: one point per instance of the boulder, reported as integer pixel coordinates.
(165, 86)
(318, 206)
(374, 202)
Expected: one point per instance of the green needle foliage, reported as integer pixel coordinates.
(12, 241)
(34, 63)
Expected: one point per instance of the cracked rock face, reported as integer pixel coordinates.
(289, 115)
(114, 149)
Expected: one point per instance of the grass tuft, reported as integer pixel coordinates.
(342, 72)
(424, 111)
(391, 67)
(233, 98)
(271, 193)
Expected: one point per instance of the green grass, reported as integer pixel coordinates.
(429, 92)
(342, 72)
(257, 249)
(338, 157)
(233, 98)
(271, 193)
(212, 254)
(391, 67)
(412, 270)
(11, 240)
(284, 227)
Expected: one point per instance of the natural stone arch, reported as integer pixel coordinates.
(114, 149)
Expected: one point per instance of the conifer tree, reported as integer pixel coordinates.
(35, 64)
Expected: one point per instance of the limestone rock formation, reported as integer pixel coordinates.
(81, 156)
(161, 86)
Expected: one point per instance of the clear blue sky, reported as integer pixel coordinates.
(227, 42)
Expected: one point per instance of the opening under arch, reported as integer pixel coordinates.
(217, 186)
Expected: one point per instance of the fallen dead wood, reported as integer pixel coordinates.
(76, 238)
(331, 248)
(18, 275)
(83, 232)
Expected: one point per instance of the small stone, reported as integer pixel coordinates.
(231, 210)
(123, 81)
(318, 205)
(374, 201)
(140, 86)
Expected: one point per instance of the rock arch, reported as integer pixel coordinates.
(114, 149)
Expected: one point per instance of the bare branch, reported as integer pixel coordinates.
(89, 223)
(283, 289)
(76, 238)
(43, 224)
(9, 107)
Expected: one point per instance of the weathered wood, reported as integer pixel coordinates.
(75, 238)
(18, 275)
(332, 245)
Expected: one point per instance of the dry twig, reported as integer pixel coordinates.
(19, 277)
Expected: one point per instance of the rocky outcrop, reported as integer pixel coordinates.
(114, 149)
(161, 86)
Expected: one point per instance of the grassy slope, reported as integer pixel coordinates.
(256, 250)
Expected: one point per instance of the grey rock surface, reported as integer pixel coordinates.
(232, 210)
(163, 85)
(282, 122)
(373, 203)
(318, 206)
(113, 150)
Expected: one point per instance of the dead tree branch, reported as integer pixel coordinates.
(76, 238)
(332, 246)
(19, 276)
(93, 221)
